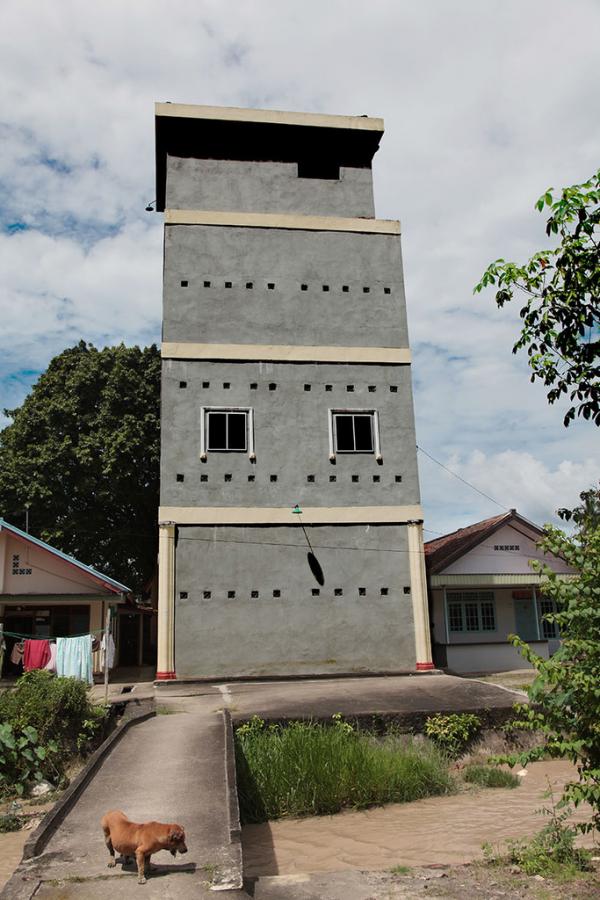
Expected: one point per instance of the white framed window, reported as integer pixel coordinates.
(470, 611)
(354, 431)
(226, 429)
(549, 629)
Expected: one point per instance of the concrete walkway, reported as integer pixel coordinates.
(172, 768)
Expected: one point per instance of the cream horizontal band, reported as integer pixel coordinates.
(493, 579)
(285, 353)
(278, 515)
(280, 220)
(267, 116)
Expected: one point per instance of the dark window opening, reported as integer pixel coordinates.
(184, 284)
(249, 285)
(183, 595)
(345, 288)
(183, 384)
(319, 168)
(338, 592)
(206, 595)
(179, 477)
(303, 287)
(231, 595)
(362, 592)
(207, 284)
(228, 284)
(328, 387)
(276, 593)
(271, 286)
(353, 433)
(387, 290)
(227, 430)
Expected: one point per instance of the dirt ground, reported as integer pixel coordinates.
(438, 830)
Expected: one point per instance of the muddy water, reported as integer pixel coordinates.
(447, 830)
(11, 850)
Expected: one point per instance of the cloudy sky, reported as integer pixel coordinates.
(486, 104)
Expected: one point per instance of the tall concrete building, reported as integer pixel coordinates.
(290, 525)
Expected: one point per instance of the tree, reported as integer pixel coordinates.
(565, 694)
(561, 312)
(82, 455)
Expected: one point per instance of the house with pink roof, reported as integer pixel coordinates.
(45, 593)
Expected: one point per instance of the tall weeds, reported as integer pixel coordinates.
(312, 769)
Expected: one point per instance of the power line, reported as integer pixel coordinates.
(460, 478)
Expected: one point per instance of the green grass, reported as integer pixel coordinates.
(400, 870)
(311, 769)
(490, 777)
(10, 822)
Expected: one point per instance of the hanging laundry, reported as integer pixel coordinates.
(36, 655)
(74, 657)
(51, 664)
(108, 647)
(16, 654)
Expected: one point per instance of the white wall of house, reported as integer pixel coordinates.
(27, 569)
(485, 559)
(490, 657)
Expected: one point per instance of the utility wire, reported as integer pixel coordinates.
(460, 478)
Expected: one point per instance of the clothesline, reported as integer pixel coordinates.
(31, 637)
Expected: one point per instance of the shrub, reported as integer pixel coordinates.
(59, 709)
(306, 768)
(452, 733)
(24, 760)
(490, 776)
(10, 822)
(551, 852)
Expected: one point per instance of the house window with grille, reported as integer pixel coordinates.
(354, 431)
(226, 430)
(471, 611)
(549, 629)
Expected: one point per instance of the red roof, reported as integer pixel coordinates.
(444, 550)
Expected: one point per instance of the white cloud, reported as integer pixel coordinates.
(485, 106)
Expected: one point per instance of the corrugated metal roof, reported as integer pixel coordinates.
(115, 586)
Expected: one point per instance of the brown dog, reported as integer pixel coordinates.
(130, 839)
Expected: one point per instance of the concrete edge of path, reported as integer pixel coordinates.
(232, 878)
(200, 680)
(39, 838)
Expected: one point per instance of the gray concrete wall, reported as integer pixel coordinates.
(284, 314)
(296, 632)
(266, 187)
(291, 435)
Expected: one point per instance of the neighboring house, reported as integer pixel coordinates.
(286, 380)
(482, 589)
(45, 593)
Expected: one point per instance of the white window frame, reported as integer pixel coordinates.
(248, 410)
(544, 625)
(376, 451)
(464, 597)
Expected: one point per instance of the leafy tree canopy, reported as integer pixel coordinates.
(82, 454)
(565, 695)
(561, 289)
